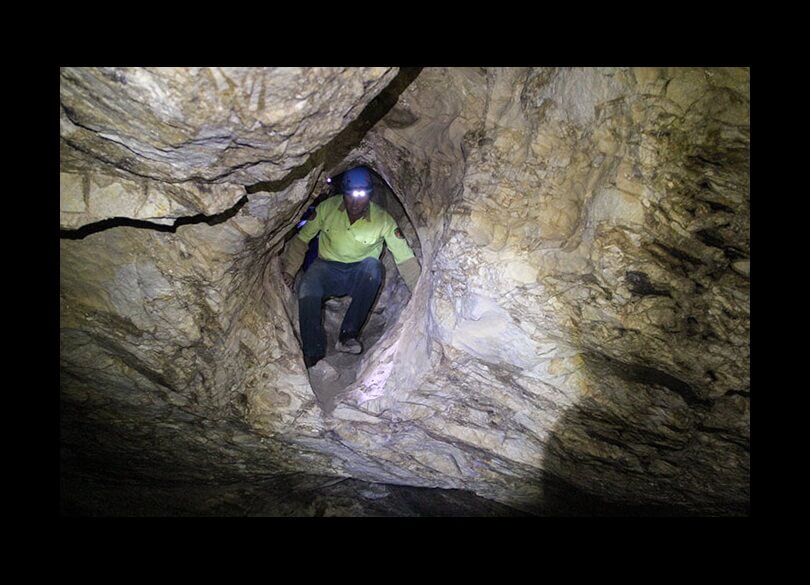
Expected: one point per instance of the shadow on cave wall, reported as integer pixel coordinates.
(641, 440)
(640, 443)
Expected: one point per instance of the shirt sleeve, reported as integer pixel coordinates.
(396, 242)
(313, 225)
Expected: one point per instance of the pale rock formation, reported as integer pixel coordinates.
(167, 142)
(582, 319)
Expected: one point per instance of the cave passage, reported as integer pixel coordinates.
(578, 344)
(337, 371)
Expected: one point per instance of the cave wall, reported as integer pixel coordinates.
(582, 317)
(165, 334)
(160, 143)
(587, 313)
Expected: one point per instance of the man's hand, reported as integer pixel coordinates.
(289, 281)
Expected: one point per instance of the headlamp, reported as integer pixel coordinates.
(359, 193)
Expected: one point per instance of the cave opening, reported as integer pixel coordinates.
(338, 370)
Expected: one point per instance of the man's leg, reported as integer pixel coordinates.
(367, 276)
(314, 287)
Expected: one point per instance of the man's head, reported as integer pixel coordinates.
(357, 187)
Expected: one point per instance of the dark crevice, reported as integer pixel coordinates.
(733, 253)
(639, 283)
(114, 349)
(99, 226)
(710, 238)
(678, 254)
(717, 206)
(743, 393)
(594, 434)
(706, 161)
(723, 434)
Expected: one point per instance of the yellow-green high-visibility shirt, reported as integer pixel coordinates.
(342, 241)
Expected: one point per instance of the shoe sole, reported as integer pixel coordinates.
(345, 349)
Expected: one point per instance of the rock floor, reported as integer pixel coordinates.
(287, 496)
(329, 380)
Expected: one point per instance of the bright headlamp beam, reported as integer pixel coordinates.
(358, 193)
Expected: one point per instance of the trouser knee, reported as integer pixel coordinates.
(310, 288)
(373, 268)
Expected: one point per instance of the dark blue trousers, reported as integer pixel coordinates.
(324, 278)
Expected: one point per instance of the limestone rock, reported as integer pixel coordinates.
(213, 124)
(568, 272)
(581, 325)
(159, 143)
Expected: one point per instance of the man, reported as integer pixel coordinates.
(352, 231)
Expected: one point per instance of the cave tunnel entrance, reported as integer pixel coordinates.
(338, 370)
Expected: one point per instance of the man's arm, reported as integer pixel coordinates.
(410, 271)
(294, 256)
(406, 262)
(297, 247)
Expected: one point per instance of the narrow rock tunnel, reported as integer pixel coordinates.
(577, 342)
(388, 304)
